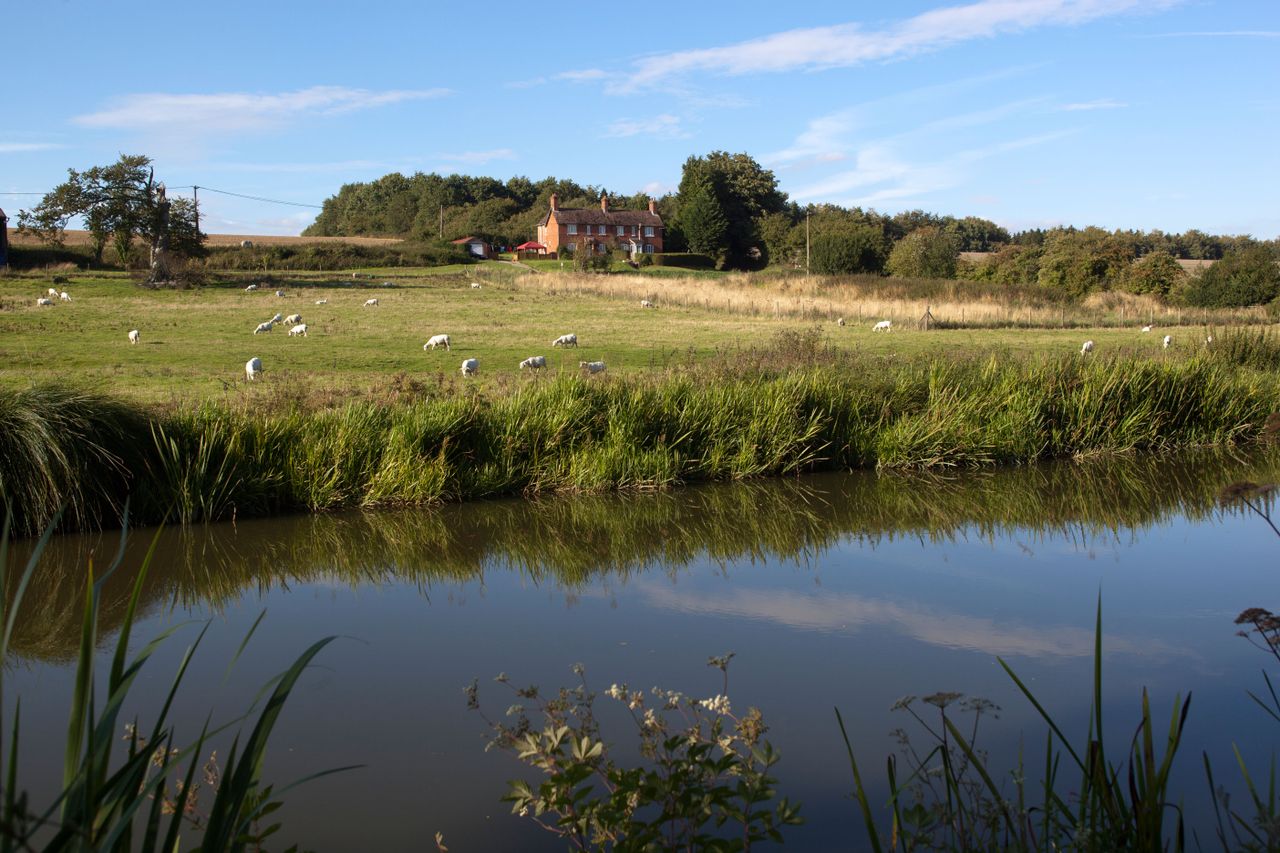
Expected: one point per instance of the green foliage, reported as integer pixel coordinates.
(142, 799)
(924, 253)
(1157, 274)
(587, 260)
(1248, 276)
(703, 782)
(848, 250)
(744, 191)
(1080, 262)
(336, 256)
(118, 203)
(706, 230)
(1014, 264)
(682, 260)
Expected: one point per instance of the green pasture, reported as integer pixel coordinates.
(194, 343)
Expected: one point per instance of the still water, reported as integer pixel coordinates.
(842, 590)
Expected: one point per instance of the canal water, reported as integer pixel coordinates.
(844, 591)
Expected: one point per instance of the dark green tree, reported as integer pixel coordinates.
(1156, 274)
(119, 202)
(706, 230)
(1079, 262)
(848, 250)
(744, 190)
(927, 252)
(1248, 276)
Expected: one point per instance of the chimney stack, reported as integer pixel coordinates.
(653, 207)
(555, 201)
(604, 202)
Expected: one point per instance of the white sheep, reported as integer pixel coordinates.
(64, 296)
(44, 300)
(300, 329)
(276, 319)
(322, 301)
(592, 366)
(252, 368)
(1168, 339)
(565, 341)
(470, 366)
(264, 327)
(645, 303)
(369, 302)
(1146, 328)
(246, 244)
(293, 319)
(1088, 347)
(883, 326)
(436, 341)
(1208, 340)
(534, 362)
(251, 288)
(475, 285)
(839, 321)
(134, 336)
(280, 293)
(53, 291)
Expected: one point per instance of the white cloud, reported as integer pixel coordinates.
(479, 158)
(334, 166)
(1263, 34)
(655, 189)
(665, 126)
(845, 45)
(1099, 104)
(582, 76)
(23, 147)
(236, 111)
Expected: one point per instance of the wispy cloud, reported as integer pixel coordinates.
(479, 158)
(238, 111)
(302, 167)
(665, 126)
(850, 44)
(23, 147)
(1099, 104)
(583, 75)
(1260, 34)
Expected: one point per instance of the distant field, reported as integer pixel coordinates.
(195, 342)
(81, 238)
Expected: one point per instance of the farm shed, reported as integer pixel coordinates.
(475, 246)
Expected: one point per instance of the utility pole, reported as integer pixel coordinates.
(442, 222)
(806, 242)
(195, 194)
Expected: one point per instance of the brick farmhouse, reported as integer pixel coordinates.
(632, 232)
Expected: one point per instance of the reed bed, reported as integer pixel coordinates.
(792, 408)
(867, 299)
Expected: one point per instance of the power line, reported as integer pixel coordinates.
(260, 198)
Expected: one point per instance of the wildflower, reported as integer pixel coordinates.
(501, 678)
(515, 709)
(903, 703)
(1253, 614)
(579, 670)
(651, 720)
(617, 691)
(942, 699)
(718, 704)
(635, 701)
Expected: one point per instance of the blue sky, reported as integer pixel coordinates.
(1120, 113)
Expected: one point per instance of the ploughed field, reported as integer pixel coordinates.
(194, 343)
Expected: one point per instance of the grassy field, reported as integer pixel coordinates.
(194, 343)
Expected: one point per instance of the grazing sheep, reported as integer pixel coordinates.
(293, 319)
(1146, 328)
(1168, 339)
(373, 301)
(436, 341)
(251, 288)
(1088, 347)
(1208, 340)
(883, 326)
(44, 300)
(839, 321)
(470, 366)
(475, 285)
(264, 327)
(300, 329)
(246, 244)
(64, 296)
(645, 303)
(53, 291)
(322, 301)
(534, 362)
(252, 368)
(565, 341)
(276, 319)
(592, 366)
(134, 336)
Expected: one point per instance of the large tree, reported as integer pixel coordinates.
(927, 252)
(705, 227)
(744, 191)
(119, 203)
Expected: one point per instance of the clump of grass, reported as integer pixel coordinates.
(1258, 348)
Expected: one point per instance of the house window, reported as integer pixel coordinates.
(648, 248)
(622, 230)
(648, 231)
(635, 230)
(601, 248)
(572, 247)
(600, 230)
(573, 228)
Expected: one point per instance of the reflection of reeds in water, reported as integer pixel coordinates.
(581, 540)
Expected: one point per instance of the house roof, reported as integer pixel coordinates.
(470, 238)
(596, 216)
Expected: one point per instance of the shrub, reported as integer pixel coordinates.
(1156, 273)
(855, 249)
(1247, 276)
(682, 260)
(925, 253)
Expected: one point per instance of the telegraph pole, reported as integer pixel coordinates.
(195, 194)
(806, 242)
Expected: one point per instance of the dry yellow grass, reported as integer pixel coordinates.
(81, 238)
